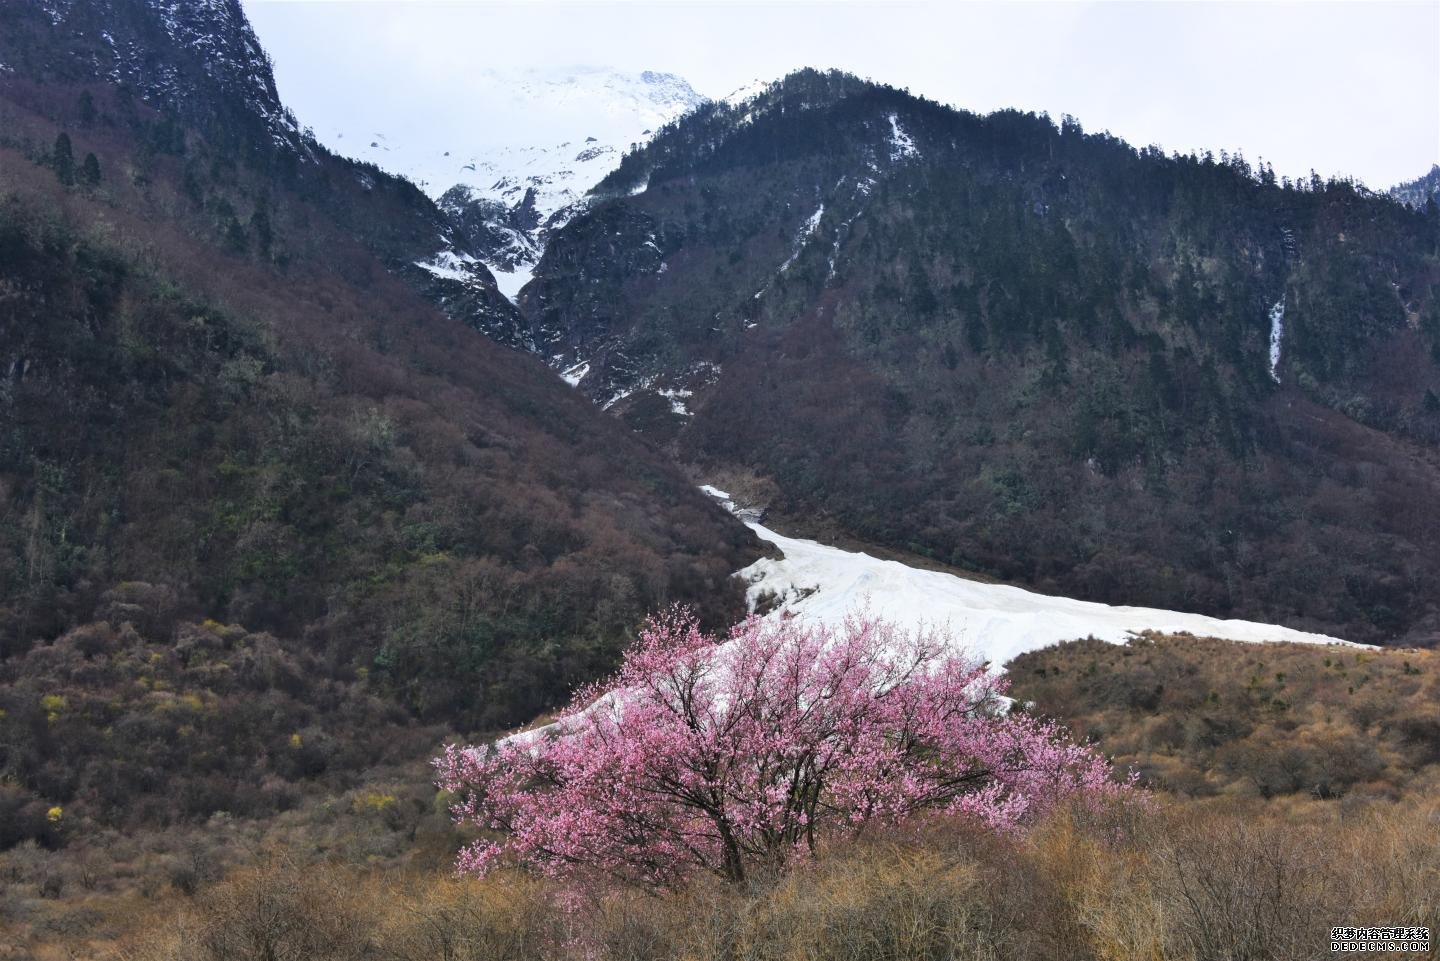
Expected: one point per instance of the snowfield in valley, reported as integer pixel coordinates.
(993, 621)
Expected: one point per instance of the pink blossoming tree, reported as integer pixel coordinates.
(736, 756)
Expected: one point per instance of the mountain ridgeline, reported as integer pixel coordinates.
(1420, 191)
(1026, 350)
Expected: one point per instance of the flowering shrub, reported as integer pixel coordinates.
(743, 755)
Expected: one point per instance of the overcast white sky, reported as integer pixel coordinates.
(1351, 88)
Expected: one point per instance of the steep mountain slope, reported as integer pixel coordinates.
(532, 145)
(219, 402)
(196, 59)
(1025, 350)
(1419, 191)
(200, 64)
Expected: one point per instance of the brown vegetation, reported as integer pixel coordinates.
(114, 728)
(1251, 881)
(1029, 352)
(1212, 871)
(1199, 716)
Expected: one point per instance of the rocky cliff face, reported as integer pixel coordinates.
(198, 59)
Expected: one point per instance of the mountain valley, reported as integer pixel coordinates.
(321, 452)
(1023, 350)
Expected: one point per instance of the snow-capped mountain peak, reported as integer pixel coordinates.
(522, 151)
(558, 131)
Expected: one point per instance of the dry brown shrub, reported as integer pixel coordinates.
(1223, 879)
(274, 911)
(506, 918)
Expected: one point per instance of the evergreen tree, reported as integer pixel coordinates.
(235, 237)
(87, 109)
(63, 159)
(90, 170)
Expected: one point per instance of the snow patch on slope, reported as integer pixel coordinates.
(450, 265)
(807, 230)
(574, 375)
(511, 281)
(747, 91)
(993, 621)
(901, 145)
(676, 396)
(1277, 334)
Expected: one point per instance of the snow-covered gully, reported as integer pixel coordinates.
(1277, 336)
(993, 621)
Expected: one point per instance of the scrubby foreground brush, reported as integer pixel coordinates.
(1179, 883)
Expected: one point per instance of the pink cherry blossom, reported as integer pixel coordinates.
(742, 755)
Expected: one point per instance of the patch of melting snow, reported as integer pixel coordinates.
(901, 145)
(806, 230)
(840, 233)
(1277, 335)
(748, 91)
(449, 265)
(676, 398)
(512, 281)
(994, 621)
(574, 375)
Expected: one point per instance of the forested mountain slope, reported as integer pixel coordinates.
(1420, 191)
(221, 399)
(1026, 350)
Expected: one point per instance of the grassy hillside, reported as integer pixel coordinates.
(1202, 717)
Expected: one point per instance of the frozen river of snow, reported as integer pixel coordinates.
(994, 621)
